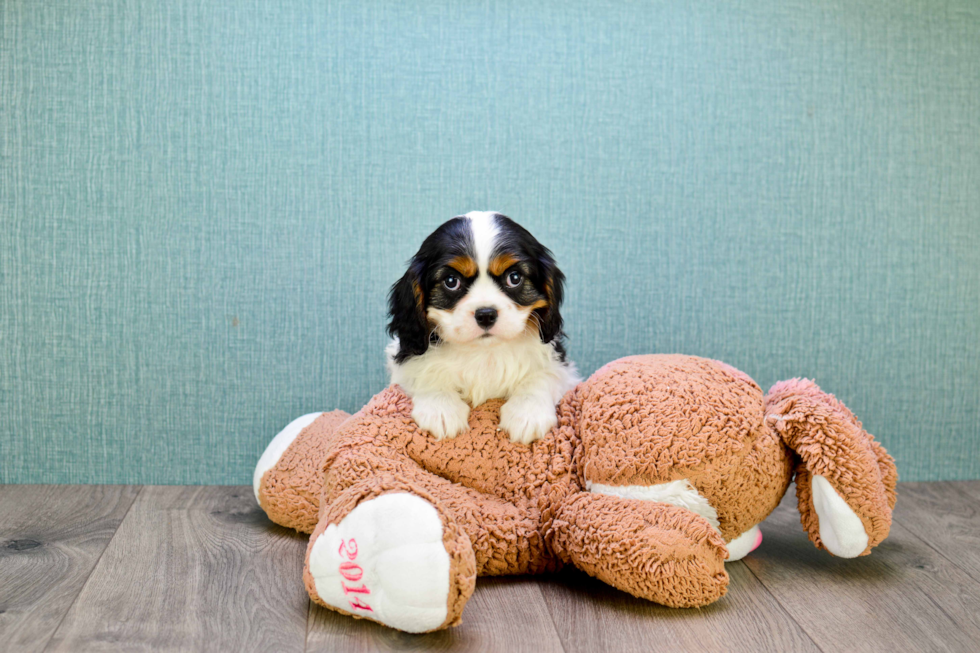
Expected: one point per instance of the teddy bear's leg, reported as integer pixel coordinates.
(392, 508)
(389, 551)
(287, 481)
(656, 551)
(506, 538)
(845, 481)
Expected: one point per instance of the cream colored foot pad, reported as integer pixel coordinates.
(386, 561)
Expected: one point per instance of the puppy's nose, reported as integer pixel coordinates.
(486, 316)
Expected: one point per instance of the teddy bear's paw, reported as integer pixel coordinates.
(443, 415)
(386, 561)
(841, 530)
(744, 544)
(527, 418)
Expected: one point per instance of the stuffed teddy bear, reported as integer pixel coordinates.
(661, 467)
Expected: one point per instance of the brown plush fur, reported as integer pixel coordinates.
(509, 508)
(291, 490)
(687, 418)
(831, 442)
(652, 550)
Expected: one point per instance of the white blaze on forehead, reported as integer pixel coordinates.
(483, 224)
(458, 324)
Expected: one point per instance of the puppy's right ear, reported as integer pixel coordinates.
(406, 307)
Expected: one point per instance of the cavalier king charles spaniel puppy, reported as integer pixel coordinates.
(476, 317)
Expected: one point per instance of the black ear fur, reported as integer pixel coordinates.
(406, 307)
(549, 317)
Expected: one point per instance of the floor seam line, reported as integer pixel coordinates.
(782, 607)
(309, 624)
(54, 631)
(959, 490)
(941, 554)
(554, 626)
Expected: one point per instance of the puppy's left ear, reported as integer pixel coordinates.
(406, 307)
(549, 317)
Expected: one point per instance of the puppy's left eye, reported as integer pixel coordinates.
(514, 279)
(451, 282)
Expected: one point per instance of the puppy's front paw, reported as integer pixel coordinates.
(442, 415)
(527, 418)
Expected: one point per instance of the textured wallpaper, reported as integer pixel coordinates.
(202, 205)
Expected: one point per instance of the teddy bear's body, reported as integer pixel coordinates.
(660, 468)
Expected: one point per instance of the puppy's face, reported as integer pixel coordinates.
(479, 278)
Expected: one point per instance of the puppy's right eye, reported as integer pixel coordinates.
(451, 282)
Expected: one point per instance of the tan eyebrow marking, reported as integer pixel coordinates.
(465, 266)
(500, 264)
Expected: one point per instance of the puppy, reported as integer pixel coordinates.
(476, 317)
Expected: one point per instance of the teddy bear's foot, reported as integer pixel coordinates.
(744, 544)
(387, 561)
(277, 447)
(287, 478)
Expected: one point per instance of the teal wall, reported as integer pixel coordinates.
(203, 204)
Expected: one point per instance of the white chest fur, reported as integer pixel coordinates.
(480, 371)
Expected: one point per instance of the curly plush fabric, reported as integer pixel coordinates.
(831, 443)
(641, 432)
(290, 491)
(502, 493)
(652, 550)
(656, 419)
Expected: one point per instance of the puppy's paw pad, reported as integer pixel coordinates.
(444, 416)
(841, 530)
(386, 561)
(527, 419)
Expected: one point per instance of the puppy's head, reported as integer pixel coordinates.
(480, 278)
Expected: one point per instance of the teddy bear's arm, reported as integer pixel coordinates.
(652, 550)
(402, 546)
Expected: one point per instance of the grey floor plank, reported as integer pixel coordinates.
(592, 616)
(903, 597)
(969, 487)
(192, 569)
(946, 516)
(51, 537)
(504, 614)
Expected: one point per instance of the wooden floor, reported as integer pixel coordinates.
(114, 568)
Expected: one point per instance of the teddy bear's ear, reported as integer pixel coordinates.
(406, 307)
(845, 480)
(553, 283)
